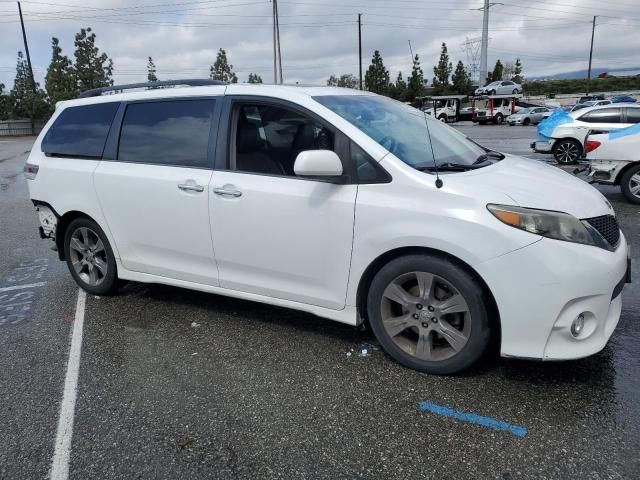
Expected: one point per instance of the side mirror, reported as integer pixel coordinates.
(317, 163)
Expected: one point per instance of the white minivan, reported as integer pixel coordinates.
(338, 202)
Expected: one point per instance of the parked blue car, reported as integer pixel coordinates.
(623, 99)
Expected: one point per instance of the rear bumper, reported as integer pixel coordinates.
(550, 284)
(542, 146)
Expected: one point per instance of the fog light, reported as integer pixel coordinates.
(577, 325)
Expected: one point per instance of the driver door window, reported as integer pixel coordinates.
(268, 139)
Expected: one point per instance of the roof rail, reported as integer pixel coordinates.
(194, 82)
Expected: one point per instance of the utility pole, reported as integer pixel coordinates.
(33, 80)
(275, 3)
(485, 39)
(360, 47)
(593, 31)
(26, 49)
(275, 65)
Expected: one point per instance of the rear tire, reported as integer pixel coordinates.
(630, 184)
(428, 314)
(567, 151)
(90, 258)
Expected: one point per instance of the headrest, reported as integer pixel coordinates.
(248, 138)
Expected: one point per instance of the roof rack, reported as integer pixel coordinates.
(194, 82)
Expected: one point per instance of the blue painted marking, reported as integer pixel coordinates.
(624, 132)
(471, 417)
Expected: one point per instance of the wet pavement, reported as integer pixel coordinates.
(180, 384)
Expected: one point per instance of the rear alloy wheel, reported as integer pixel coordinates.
(630, 184)
(428, 314)
(89, 257)
(567, 152)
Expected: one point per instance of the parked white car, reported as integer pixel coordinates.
(614, 159)
(527, 116)
(505, 87)
(338, 202)
(567, 139)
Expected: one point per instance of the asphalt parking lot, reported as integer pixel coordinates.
(179, 384)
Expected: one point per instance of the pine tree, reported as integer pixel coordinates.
(376, 78)
(498, 71)
(5, 104)
(416, 80)
(346, 80)
(398, 90)
(254, 78)
(60, 81)
(517, 72)
(23, 101)
(461, 80)
(151, 71)
(222, 70)
(93, 69)
(443, 70)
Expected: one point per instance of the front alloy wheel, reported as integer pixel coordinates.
(567, 152)
(428, 314)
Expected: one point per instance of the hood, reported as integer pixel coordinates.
(533, 184)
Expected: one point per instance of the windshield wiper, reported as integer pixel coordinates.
(450, 167)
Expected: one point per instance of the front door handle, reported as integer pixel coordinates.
(227, 191)
(190, 187)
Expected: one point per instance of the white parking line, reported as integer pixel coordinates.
(21, 287)
(60, 463)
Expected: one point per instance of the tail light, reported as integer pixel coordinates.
(591, 145)
(30, 171)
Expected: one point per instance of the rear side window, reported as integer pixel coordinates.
(80, 131)
(167, 133)
(633, 115)
(605, 115)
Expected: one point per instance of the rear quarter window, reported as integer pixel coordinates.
(80, 131)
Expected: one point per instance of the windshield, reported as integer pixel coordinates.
(402, 130)
(523, 110)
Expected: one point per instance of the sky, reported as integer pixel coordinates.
(320, 37)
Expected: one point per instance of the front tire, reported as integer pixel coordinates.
(526, 122)
(443, 118)
(498, 119)
(630, 184)
(567, 151)
(90, 258)
(428, 314)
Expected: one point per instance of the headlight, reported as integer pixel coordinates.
(546, 223)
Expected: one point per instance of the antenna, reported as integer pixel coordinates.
(435, 162)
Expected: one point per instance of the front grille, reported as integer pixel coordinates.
(481, 114)
(607, 226)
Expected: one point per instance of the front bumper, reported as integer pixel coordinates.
(542, 288)
(514, 121)
(542, 146)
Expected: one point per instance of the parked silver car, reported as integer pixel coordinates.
(527, 116)
(505, 87)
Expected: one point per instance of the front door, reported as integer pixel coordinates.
(276, 234)
(155, 194)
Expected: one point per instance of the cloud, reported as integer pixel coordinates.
(319, 38)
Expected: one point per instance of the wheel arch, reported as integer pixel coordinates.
(623, 170)
(61, 228)
(374, 267)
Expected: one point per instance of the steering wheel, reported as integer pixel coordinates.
(389, 143)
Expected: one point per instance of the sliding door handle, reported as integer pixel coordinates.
(190, 187)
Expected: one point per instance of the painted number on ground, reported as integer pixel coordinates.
(18, 290)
